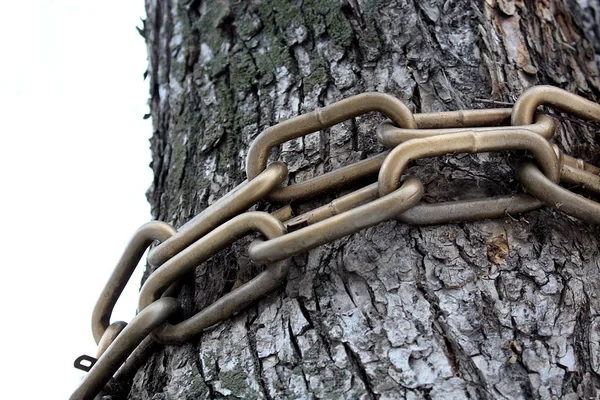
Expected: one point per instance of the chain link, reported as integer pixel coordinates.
(409, 136)
(552, 194)
(532, 98)
(244, 196)
(200, 251)
(124, 344)
(147, 234)
(320, 119)
(391, 136)
(346, 223)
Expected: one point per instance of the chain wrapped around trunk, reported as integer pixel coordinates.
(121, 346)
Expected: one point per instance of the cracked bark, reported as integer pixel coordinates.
(500, 308)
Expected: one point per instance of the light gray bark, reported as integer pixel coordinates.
(500, 308)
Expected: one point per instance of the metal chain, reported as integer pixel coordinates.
(409, 136)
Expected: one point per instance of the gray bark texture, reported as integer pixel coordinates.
(506, 308)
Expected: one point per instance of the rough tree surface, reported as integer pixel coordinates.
(506, 308)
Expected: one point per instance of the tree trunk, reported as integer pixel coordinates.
(500, 308)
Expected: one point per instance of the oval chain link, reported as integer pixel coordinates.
(141, 240)
(574, 171)
(199, 252)
(317, 120)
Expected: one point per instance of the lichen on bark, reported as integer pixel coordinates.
(504, 308)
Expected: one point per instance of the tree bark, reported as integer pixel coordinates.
(504, 308)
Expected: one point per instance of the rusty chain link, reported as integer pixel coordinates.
(409, 136)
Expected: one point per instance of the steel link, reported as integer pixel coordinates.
(200, 251)
(553, 195)
(469, 141)
(391, 136)
(549, 192)
(116, 354)
(239, 199)
(317, 120)
(141, 240)
(336, 227)
(560, 99)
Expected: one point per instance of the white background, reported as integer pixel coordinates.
(74, 171)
